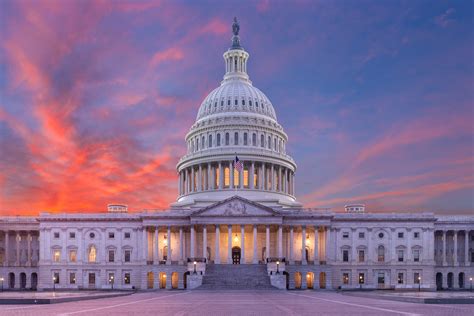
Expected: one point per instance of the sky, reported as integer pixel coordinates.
(375, 96)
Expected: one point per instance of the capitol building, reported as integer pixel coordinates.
(236, 222)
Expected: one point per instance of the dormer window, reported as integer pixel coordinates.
(236, 102)
(243, 102)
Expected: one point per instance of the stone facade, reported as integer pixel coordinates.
(236, 212)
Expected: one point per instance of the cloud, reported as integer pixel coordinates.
(445, 19)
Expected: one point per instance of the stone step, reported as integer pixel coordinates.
(238, 277)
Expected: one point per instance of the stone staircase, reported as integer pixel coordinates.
(236, 277)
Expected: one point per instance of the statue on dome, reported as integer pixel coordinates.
(235, 27)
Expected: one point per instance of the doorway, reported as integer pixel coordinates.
(310, 280)
(439, 281)
(450, 280)
(322, 280)
(162, 280)
(298, 280)
(91, 280)
(23, 280)
(236, 255)
(461, 280)
(34, 281)
(381, 279)
(150, 280)
(11, 280)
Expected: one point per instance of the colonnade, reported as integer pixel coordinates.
(276, 254)
(456, 244)
(7, 248)
(222, 175)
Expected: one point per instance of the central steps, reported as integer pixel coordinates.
(236, 277)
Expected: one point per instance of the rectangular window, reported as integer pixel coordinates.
(218, 178)
(236, 178)
(245, 139)
(254, 139)
(72, 255)
(72, 278)
(126, 278)
(56, 277)
(126, 235)
(400, 278)
(416, 255)
(111, 278)
(416, 235)
(400, 235)
(111, 235)
(416, 278)
(111, 256)
(345, 255)
(56, 255)
(361, 255)
(56, 235)
(236, 138)
(345, 278)
(246, 178)
(400, 255)
(127, 256)
(226, 177)
(345, 235)
(361, 235)
(361, 278)
(72, 235)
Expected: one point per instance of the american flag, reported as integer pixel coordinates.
(238, 164)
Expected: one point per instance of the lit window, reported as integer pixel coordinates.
(236, 178)
(72, 278)
(56, 255)
(126, 278)
(400, 277)
(361, 278)
(246, 178)
(345, 278)
(56, 277)
(72, 256)
(226, 177)
(416, 278)
(218, 178)
(92, 254)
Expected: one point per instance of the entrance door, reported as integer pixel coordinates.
(381, 279)
(34, 281)
(439, 281)
(91, 280)
(236, 255)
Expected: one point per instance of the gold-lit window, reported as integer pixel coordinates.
(255, 178)
(92, 254)
(217, 177)
(236, 178)
(72, 255)
(226, 177)
(246, 178)
(56, 255)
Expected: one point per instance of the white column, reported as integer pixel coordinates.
(263, 177)
(193, 242)
(28, 261)
(303, 245)
(267, 242)
(242, 244)
(241, 179)
(217, 256)
(409, 237)
(204, 242)
(354, 250)
(292, 245)
(229, 244)
(180, 183)
(285, 183)
(221, 176)
(145, 244)
(272, 177)
(279, 179)
(252, 175)
(444, 248)
(370, 254)
(455, 252)
(7, 249)
(18, 248)
(255, 258)
(280, 242)
(168, 244)
(466, 247)
(231, 175)
(316, 245)
(156, 247)
(293, 184)
(181, 248)
(209, 177)
(192, 179)
(199, 186)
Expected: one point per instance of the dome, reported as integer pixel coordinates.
(236, 97)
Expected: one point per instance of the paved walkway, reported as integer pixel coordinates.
(237, 303)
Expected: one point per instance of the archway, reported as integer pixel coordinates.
(322, 280)
(23, 280)
(185, 279)
(306, 253)
(310, 280)
(174, 280)
(11, 280)
(298, 280)
(450, 280)
(461, 280)
(162, 280)
(439, 281)
(150, 280)
(235, 255)
(34, 281)
(287, 275)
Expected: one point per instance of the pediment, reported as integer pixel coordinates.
(236, 206)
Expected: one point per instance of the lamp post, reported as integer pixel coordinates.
(112, 281)
(1, 279)
(470, 280)
(195, 263)
(54, 285)
(278, 267)
(419, 284)
(360, 282)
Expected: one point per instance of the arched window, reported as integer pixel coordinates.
(262, 141)
(245, 139)
(227, 139)
(228, 102)
(381, 253)
(269, 142)
(203, 140)
(250, 102)
(197, 144)
(192, 146)
(209, 144)
(236, 138)
(218, 139)
(92, 254)
(243, 102)
(275, 144)
(226, 177)
(236, 102)
(254, 139)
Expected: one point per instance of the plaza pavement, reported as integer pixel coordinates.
(250, 302)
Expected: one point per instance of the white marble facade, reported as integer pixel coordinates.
(226, 216)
